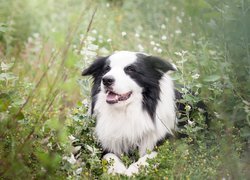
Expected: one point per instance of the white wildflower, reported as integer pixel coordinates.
(53, 30)
(70, 159)
(184, 52)
(100, 39)
(85, 102)
(30, 39)
(109, 40)
(159, 50)
(93, 150)
(192, 34)
(124, 34)
(184, 90)
(174, 8)
(152, 43)
(195, 76)
(186, 152)
(6, 67)
(92, 47)
(141, 48)
(103, 51)
(201, 110)
(217, 114)
(137, 35)
(90, 53)
(199, 85)
(178, 53)
(12, 22)
(178, 31)
(94, 31)
(49, 145)
(82, 52)
(179, 20)
(78, 171)
(164, 38)
(76, 149)
(246, 102)
(71, 138)
(76, 51)
(36, 35)
(191, 123)
(211, 52)
(81, 37)
(188, 108)
(90, 38)
(163, 26)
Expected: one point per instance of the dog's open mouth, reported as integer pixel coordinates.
(113, 97)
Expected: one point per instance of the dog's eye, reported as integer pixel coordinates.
(130, 69)
(107, 68)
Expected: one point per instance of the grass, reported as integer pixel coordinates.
(44, 119)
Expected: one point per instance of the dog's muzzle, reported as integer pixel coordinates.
(108, 81)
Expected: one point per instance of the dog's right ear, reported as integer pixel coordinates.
(160, 64)
(95, 68)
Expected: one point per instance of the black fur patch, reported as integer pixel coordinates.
(97, 69)
(147, 71)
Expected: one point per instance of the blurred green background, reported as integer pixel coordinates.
(44, 46)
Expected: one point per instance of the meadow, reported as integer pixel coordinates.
(45, 128)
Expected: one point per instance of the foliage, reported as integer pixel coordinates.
(45, 127)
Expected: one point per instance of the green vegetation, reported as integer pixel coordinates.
(44, 46)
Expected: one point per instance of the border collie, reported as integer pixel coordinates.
(133, 99)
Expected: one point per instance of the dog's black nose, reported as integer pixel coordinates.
(108, 81)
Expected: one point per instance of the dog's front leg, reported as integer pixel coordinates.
(115, 164)
(134, 168)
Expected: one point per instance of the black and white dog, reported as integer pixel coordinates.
(133, 99)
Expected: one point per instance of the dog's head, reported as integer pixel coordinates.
(123, 77)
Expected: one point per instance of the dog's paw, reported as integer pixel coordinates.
(134, 168)
(143, 160)
(115, 164)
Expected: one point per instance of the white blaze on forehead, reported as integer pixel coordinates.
(122, 58)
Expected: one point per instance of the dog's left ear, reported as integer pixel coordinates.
(95, 68)
(160, 64)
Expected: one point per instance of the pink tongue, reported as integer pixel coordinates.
(112, 98)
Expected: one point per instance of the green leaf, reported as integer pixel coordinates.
(7, 76)
(3, 27)
(245, 132)
(5, 101)
(6, 67)
(53, 124)
(49, 161)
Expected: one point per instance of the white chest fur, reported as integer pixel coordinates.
(122, 130)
